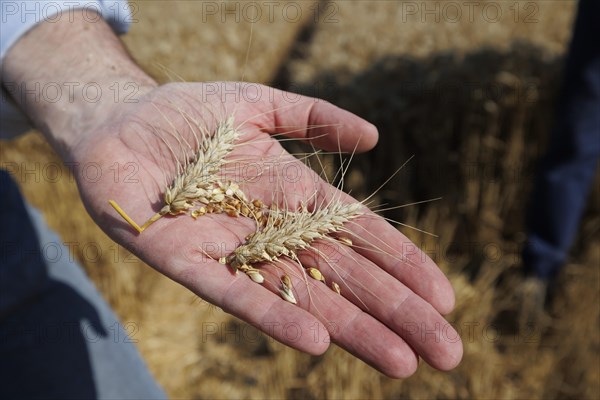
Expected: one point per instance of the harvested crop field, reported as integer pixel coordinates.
(469, 90)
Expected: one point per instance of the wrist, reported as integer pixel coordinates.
(71, 77)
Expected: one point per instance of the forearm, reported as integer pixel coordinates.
(68, 75)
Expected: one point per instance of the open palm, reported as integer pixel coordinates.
(392, 295)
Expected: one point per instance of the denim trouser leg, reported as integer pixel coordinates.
(58, 337)
(568, 169)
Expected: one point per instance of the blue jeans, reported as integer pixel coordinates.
(58, 337)
(567, 170)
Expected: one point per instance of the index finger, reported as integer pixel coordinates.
(327, 126)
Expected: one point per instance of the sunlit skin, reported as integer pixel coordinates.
(389, 320)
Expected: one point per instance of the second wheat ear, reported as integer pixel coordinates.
(197, 180)
(287, 232)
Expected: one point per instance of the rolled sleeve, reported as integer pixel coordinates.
(20, 16)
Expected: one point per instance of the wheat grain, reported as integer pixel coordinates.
(345, 240)
(286, 289)
(253, 273)
(315, 274)
(336, 288)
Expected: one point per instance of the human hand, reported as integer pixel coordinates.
(392, 299)
(392, 296)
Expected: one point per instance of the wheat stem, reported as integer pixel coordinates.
(126, 217)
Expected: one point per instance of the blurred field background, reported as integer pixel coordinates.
(471, 96)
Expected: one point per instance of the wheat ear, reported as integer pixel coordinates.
(287, 232)
(198, 179)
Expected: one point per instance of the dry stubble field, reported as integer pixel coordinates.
(471, 96)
